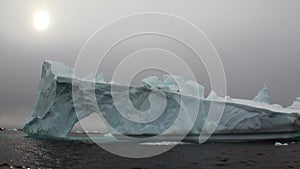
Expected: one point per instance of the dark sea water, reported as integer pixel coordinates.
(17, 151)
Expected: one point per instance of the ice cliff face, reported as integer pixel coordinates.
(54, 112)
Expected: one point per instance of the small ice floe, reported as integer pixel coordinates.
(87, 132)
(163, 143)
(277, 144)
(12, 129)
(78, 131)
(95, 131)
(107, 135)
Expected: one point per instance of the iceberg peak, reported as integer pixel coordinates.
(57, 68)
(263, 96)
(296, 104)
(100, 78)
(89, 77)
(212, 95)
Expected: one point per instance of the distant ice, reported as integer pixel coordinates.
(108, 135)
(277, 144)
(163, 143)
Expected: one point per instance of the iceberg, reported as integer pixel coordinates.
(56, 111)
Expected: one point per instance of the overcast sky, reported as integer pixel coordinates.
(258, 42)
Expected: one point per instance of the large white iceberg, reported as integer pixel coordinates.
(54, 112)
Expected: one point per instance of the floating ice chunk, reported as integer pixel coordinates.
(78, 131)
(263, 96)
(163, 143)
(108, 135)
(12, 129)
(277, 144)
(113, 83)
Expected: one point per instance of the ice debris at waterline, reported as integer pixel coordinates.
(277, 144)
(54, 112)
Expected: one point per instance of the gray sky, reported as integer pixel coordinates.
(258, 42)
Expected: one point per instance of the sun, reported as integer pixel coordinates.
(41, 20)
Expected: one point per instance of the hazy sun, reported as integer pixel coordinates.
(41, 20)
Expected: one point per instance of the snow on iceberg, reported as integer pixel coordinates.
(54, 111)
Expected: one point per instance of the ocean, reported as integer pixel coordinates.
(19, 151)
